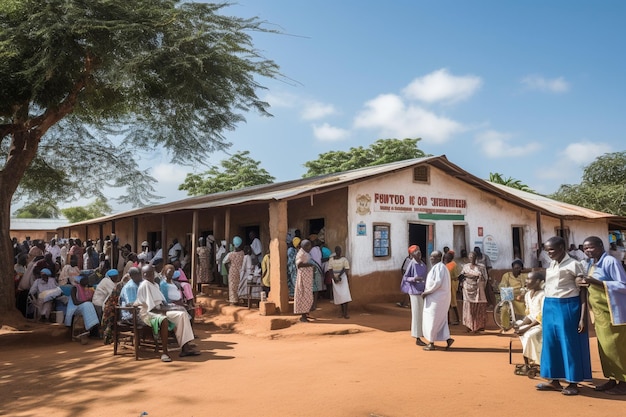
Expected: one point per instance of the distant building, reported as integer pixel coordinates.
(44, 229)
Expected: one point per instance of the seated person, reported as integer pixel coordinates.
(80, 302)
(183, 284)
(529, 328)
(68, 274)
(516, 280)
(108, 310)
(128, 295)
(104, 289)
(171, 292)
(162, 318)
(45, 290)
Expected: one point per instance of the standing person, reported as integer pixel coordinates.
(256, 247)
(203, 273)
(265, 274)
(565, 351)
(292, 269)
(454, 271)
(436, 298)
(303, 295)
(222, 269)
(474, 300)
(176, 251)
(606, 281)
(413, 283)
(516, 280)
(341, 274)
(235, 262)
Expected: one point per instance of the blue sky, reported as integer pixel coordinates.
(533, 90)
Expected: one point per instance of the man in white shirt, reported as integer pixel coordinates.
(155, 312)
(175, 252)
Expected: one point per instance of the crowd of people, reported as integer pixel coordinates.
(551, 308)
(74, 278)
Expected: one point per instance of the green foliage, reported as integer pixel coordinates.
(380, 152)
(509, 182)
(38, 210)
(86, 84)
(603, 186)
(238, 171)
(98, 208)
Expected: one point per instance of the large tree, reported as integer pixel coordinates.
(603, 185)
(86, 86)
(238, 171)
(380, 152)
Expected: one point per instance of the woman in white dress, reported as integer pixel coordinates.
(341, 289)
(529, 329)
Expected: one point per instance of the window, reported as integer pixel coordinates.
(420, 174)
(382, 240)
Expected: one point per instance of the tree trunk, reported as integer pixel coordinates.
(7, 287)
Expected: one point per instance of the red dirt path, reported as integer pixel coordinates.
(366, 366)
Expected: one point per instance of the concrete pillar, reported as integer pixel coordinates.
(279, 292)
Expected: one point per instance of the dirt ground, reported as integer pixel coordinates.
(365, 366)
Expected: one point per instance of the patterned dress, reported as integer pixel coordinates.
(303, 296)
(474, 299)
(204, 264)
(235, 259)
(292, 270)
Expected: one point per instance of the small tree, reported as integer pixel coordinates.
(38, 210)
(98, 208)
(380, 152)
(509, 182)
(238, 171)
(603, 185)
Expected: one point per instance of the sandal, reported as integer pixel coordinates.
(548, 387)
(610, 384)
(569, 391)
(430, 346)
(449, 343)
(165, 358)
(188, 353)
(619, 389)
(522, 371)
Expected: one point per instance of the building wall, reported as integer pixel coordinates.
(397, 200)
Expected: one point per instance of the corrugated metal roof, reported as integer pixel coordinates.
(37, 224)
(301, 187)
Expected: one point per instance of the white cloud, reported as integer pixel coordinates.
(441, 86)
(284, 100)
(539, 83)
(326, 132)
(392, 118)
(568, 163)
(584, 153)
(496, 144)
(166, 173)
(317, 110)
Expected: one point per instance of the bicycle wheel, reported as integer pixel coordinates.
(503, 315)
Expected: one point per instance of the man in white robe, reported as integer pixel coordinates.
(156, 313)
(436, 297)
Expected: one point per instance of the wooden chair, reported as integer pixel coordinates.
(132, 329)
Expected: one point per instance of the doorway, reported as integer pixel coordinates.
(421, 235)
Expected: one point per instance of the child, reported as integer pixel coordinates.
(529, 329)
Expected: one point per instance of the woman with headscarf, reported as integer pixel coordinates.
(235, 261)
(413, 283)
(303, 295)
(474, 300)
(292, 270)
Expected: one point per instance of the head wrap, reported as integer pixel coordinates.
(295, 241)
(211, 238)
(46, 271)
(112, 273)
(144, 244)
(237, 241)
(176, 274)
(326, 252)
(413, 248)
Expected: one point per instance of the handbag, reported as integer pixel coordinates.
(328, 277)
